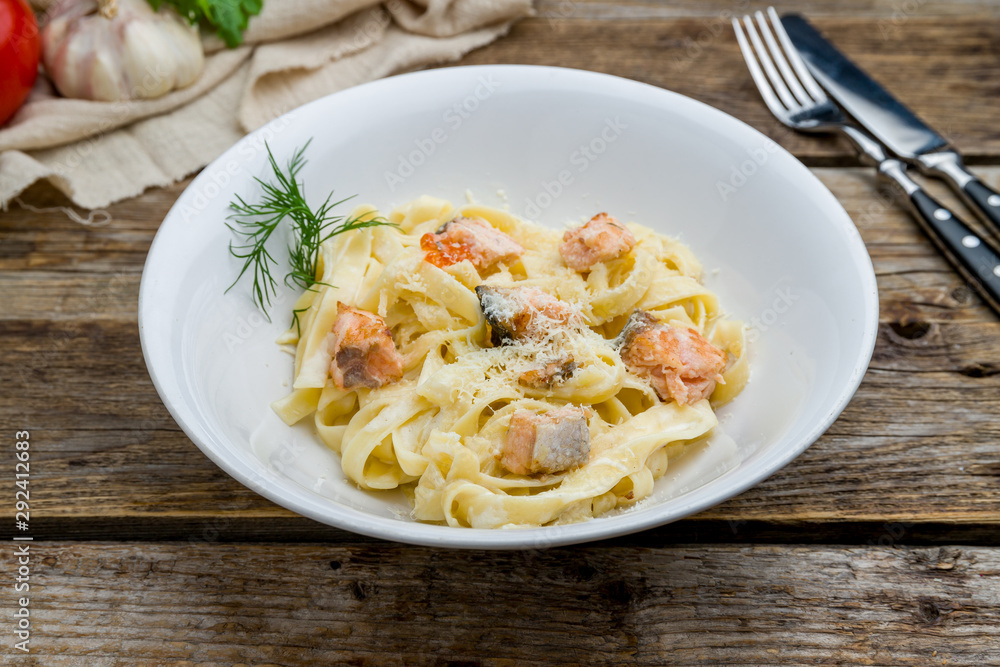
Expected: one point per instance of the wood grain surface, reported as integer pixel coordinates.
(929, 62)
(919, 442)
(174, 562)
(280, 604)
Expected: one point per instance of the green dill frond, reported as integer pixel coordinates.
(281, 198)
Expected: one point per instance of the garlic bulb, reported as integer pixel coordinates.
(137, 54)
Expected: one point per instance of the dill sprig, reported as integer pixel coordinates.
(285, 198)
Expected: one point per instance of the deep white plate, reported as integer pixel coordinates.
(555, 145)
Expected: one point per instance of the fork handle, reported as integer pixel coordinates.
(983, 200)
(974, 258)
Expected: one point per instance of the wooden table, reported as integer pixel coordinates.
(879, 545)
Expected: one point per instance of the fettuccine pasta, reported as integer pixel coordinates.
(538, 398)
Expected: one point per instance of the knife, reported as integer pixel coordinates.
(888, 119)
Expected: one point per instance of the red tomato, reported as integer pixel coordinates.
(19, 49)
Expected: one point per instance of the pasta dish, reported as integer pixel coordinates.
(505, 374)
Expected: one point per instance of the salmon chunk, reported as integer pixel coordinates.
(600, 240)
(548, 442)
(552, 373)
(364, 354)
(678, 362)
(473, 239)
(518, 313)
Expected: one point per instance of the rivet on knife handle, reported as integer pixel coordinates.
(983, 200)
(975, 259)
(888, 119)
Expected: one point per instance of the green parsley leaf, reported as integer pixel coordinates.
(228, 17)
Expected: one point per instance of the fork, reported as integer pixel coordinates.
(795, 99)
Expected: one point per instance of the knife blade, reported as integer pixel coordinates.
(890, 120)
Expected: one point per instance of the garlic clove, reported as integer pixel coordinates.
(189, 59)
(76, 81)
(138, 54)
(146, 60)
(106, 81)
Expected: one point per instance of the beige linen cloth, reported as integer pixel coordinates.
(295, 51)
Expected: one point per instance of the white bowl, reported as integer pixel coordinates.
(557, 145)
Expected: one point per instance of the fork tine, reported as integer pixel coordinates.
(770, 99)
(765, 60)
(793, 56)
(781, 61)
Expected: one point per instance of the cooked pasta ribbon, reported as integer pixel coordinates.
(440, 429)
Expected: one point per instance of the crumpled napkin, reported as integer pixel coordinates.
(295, 51)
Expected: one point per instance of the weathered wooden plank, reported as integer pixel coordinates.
(916, 284)
(53, 268)
(929, 62)
(275, 525)
(931, 53)
(47, 240)
(57, 295)
(888, 13)
(914, 459)
(104, 604)
(917, 443)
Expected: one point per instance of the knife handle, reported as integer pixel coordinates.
(980, 198)
(975, 259)
(985, 201)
